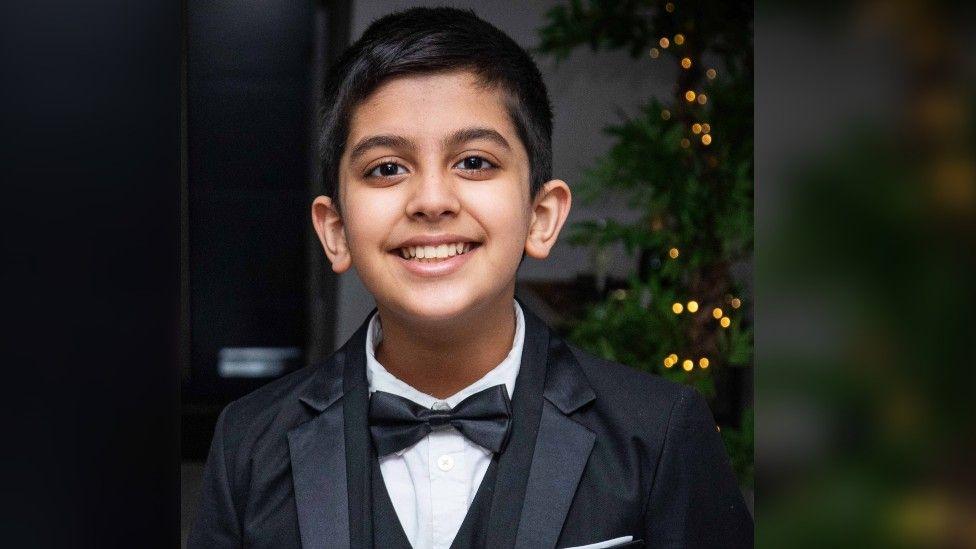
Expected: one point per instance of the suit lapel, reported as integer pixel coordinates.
(318, 450)
(562, 448)
(546, 456)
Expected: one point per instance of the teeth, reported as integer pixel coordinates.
(441, 251)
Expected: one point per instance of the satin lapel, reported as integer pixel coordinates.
(562, 448)
(514, 461)
(318, 453)
(318, 461)
(560, 456)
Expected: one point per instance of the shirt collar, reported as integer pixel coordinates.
(505, 373)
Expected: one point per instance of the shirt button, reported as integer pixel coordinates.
(440, 406)
(445, 463)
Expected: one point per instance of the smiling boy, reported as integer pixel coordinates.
(454, 417)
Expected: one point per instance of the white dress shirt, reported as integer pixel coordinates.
(433, 482)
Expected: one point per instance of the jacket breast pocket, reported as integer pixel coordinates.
(615, 543)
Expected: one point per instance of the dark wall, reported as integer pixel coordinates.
(250, 78)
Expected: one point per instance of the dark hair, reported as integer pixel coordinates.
(431, 40)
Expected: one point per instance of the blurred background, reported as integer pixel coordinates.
(653, 130)
(865, 249)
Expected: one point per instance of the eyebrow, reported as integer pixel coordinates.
(471, 134)
(399, 142)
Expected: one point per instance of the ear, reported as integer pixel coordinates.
(332, 233)
(549, 211)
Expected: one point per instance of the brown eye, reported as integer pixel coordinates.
(387, 169)
(474, 163)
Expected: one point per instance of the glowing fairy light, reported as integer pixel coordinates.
(692, 306)
(677, 308)
(717, 313)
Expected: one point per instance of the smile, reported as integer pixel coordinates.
(440, 252)
(433, 261)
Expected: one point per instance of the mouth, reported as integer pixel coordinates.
(435, 253)
(435, 261)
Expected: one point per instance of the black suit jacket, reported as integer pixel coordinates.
(598, 451)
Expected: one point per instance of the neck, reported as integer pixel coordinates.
(427, 356)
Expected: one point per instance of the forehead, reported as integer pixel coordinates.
(429, 106)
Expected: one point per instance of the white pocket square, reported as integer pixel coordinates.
(604, 544)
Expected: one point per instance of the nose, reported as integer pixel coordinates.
(434, 197)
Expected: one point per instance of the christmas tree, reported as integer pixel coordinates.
(685, 163)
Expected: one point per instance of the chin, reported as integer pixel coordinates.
(439, 306)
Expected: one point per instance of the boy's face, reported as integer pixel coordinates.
(434, 161)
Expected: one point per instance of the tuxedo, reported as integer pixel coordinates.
(597, 451)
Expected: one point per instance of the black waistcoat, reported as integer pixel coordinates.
(388, 532)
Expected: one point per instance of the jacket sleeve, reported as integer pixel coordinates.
(216, 524)
(695, 499)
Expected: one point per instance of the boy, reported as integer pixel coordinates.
(436, 157)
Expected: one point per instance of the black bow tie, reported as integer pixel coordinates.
(397, 423)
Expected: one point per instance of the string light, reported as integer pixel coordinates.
(702, 99)
(679, 39)
(669, 7)
(666, 114)
(673, 253)
(674, 358)
(677, 308)
(696, 128)
(725, 322)
(667, 362)
(710, 73)
(706, 128)
(687, 365)
(685, 61)
(706, 139)
(703, 362)
(736, 303)
(717, 313)
(664, 42)
(692, 306)
(690, 96)
(685, 143)
(655, 53)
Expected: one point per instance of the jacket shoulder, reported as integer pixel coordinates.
(271, 409)
(629, 396)
(618, 378)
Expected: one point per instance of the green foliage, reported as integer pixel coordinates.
(694, 194)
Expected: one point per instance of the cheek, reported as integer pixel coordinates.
(368, 219)
(503, 211)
